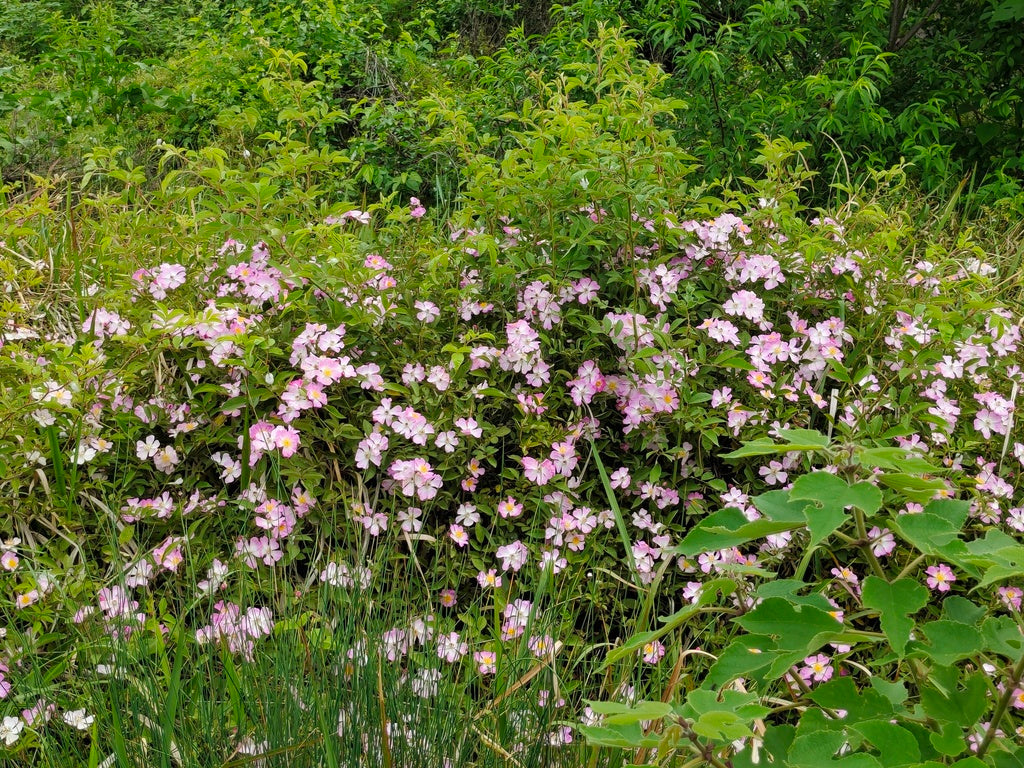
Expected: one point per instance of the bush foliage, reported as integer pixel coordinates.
(374, 394)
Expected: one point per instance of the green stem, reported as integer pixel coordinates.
(911, 566)
(862, 534)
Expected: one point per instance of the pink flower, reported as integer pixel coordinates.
(882, 541)
(539, 472)
(489, 579)
(818, 669)
(620, 478)
(513, 555)
(286, 439)
(427, 311)
(652, 652)
(486, 662)
(940, 577)
(510, 508)
(774, 473)
(1011, 597)
(451, 648)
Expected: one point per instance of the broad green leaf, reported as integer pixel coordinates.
(896, 459)
(832, 495)
(951, 641)
(762, 447)
(896, 746)
(913, 487)
(795, 440)
(896, 692)
(730, 528)
(841, 693)
(776, 505)
(970, 762)
(1008, 757)
(1003, 636)
(928, 532)
(795, 626)
(894, 603)
(819, 750)
(622, 736)
(721, 725)
(827, 488)
(963, 706)
(956, 608)
(747, 656)
(804, 437)
(949, 739)
(745, 705)
(956, 511)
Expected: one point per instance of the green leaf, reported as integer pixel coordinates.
(622, 736)
(1003, 636)
(928, 532)
(894, 603)
(729, 528)
(913, 487)
(897, 459)
(804, 437)
(702, 700)
(948, 740)
(897, 746)
(721, 726)
(624, 714)
(841, 693)
(795, 626)
(951, 641)
(832, 496)
(747, 656)
(896, 692)
(817, 750)
(963, 706)
(796, 440)
(956, 608)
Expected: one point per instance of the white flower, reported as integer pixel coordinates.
(77, 718)
(147, 449)
(10, 729)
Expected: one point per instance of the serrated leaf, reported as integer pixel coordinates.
(963, 706)
(913, 487)
(894, 603)
(721, 726)
(897, 459)
(795, 626)
(1003, 636)
(832, 495)
(730, 528)
(841, 693)
(896, 746)
(951, 641)
(948, 740)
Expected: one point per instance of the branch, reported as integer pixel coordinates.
(917, 27)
